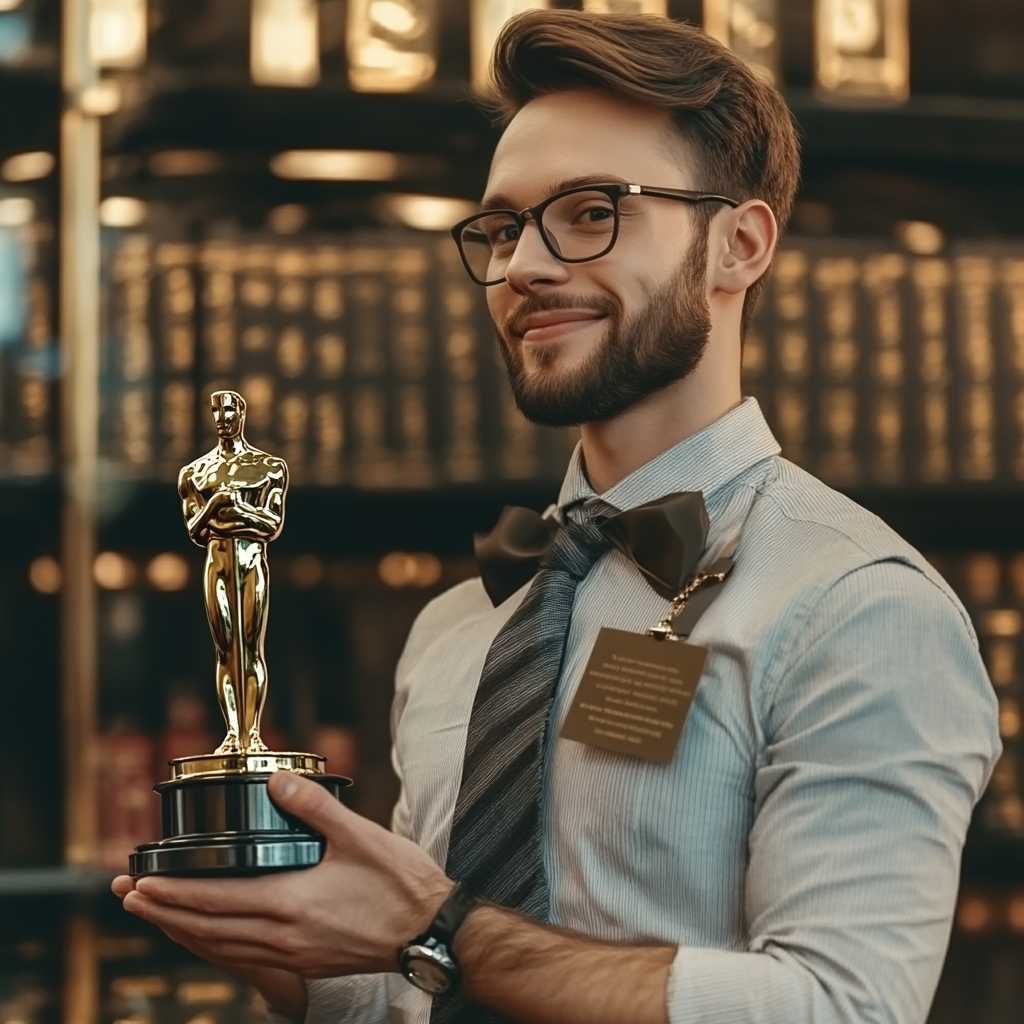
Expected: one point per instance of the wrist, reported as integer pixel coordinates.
(283, 991)
(473, 947)
(428, 960)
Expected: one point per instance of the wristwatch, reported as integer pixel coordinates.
(427, 961)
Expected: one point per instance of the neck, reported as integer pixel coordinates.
(231, 445)
(612, 449)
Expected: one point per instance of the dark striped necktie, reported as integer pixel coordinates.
(495, 846)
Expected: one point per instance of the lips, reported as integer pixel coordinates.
(553, 318)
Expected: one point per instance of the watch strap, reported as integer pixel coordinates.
(450, 916)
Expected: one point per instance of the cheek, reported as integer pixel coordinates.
(498, 304)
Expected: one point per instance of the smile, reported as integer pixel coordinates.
(557, 330)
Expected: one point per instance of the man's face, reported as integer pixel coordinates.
(644, 305)
(227, 417)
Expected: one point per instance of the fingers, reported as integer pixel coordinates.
(204, 929)
(233, 896)
(308, 801)
(231, 956)
(122, 885)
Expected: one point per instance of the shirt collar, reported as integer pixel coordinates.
(704, 461)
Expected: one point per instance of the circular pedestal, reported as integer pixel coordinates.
(228, 825)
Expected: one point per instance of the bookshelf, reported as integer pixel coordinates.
(890, 366)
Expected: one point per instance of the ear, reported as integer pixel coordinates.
(744, 249)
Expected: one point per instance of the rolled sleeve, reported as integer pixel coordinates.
(880, 736)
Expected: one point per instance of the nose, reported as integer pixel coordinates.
(532, 264)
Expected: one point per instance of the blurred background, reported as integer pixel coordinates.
(254, 194)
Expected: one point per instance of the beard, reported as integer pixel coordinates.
(661, 344)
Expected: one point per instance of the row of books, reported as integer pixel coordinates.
(370, 359)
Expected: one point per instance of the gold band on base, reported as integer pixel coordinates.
(239, 764)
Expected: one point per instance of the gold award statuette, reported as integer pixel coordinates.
(218, 817)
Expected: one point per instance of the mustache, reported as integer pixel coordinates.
(545, 303)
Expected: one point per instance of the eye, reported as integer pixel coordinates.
(597, 213)
(502, 234)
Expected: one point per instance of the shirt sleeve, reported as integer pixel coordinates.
(880, 735)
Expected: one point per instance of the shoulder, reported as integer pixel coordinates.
(196, 466)
(810, 536)
(454, 609)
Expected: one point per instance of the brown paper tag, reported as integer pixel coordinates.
(635, 694)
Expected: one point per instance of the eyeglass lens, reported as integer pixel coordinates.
(578, 226)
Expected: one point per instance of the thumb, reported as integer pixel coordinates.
(308, 801)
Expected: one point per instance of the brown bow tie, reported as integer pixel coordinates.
(664, 539)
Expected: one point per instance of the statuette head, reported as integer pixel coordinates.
(228, 413)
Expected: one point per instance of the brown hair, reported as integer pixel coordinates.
(739, 127)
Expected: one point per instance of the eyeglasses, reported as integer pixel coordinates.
(577, 225)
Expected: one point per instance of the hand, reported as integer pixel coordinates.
(283, 991)
(371, 893)
(219, 499)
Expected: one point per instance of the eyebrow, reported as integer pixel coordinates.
(503, 202)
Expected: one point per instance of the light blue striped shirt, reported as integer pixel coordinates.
(802, 848)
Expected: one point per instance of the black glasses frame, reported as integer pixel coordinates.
(615, 191)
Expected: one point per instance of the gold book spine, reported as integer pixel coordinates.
(884, 277)
(930, 283)
(835, 279)
(409, 344)
(1011, 297)
(974, 280)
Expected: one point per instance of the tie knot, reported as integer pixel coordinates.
(575, 548)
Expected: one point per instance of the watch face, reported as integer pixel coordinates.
(427, 974)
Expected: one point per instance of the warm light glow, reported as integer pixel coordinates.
(426, 213)
(748, 28)
(1002, 622)
(974, 914)
(219, 992)
(167, 571)
(27, 166)
(101, 99)
(150, 985)
(1015, 912)
(285, 42)
(175, 163)
(393, 15)
(117, 33)
(626, 6)
(402, 569)
(122, 212)
(288, 218)
(307, 571)
(1009, 719)
(44, 574)
(920, 237)
(16, 211)
(392, 44)
(486, 20)
(983, 575)
(9, 5)
(113, 571)
(862, 49)
(336, 165)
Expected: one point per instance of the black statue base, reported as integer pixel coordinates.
(228, 825)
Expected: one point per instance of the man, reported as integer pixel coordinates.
(796, 858)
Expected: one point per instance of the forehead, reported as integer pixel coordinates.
(225, 402)
(569, 134)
